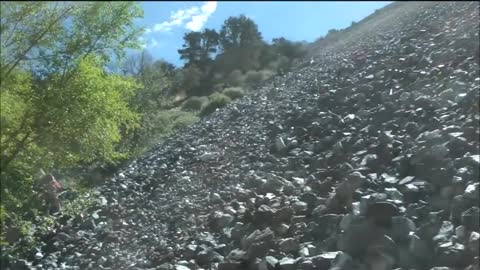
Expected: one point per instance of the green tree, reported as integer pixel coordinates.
(267, 55)
(209, 44)
(239, 32)
(79, 123)
(281, 53)
(241, 45)
(191, 79)
(27, 26)
(243, 59)
(59, 107)
(191, 48)
(288, 48)
(199, 47)
(91, 110)
(52, 37)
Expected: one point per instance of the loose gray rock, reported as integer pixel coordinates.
(369, 154)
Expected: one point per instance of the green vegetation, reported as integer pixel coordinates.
(194, 103)
(158, 125)
(59, 107)
(236, 56)
(233, 92)
(21, 235)
(254, 78)
(215, 102)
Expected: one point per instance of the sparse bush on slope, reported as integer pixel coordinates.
(217, 100)
(235, 78)
(255, 78)
(194, 103)
(162, 124)
(234, 92)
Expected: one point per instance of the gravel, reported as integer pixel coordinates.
(339, 164)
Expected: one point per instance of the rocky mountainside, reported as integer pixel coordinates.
(364, 157)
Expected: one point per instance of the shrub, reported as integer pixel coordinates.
(255, 78)
(166, 122)
(194, 103)
(28, 228)
(183, 119)
(234, 92)
(157, 126)
(283, 64)
(218, 87)
(217, 100)
(267, 74)
(235, 78)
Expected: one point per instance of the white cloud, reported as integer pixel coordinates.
(209, 7)
(196, 17)
(164, 26)
(153, 43)
(199, 20)
(150, 44)
(184, 14)
(148, 30)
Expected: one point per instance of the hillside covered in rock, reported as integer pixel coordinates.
(364, 157)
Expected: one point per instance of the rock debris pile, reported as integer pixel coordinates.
(345, 163)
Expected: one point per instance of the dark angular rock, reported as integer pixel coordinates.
(284, 214)
(264, 215)
(206, 257)
(231, 266)
(401, 229)
(288, 245)
(470, 218)
(454, 255)
(381, 213)
(324, 261)
(268, 263)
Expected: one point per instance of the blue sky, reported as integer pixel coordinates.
(166, 22)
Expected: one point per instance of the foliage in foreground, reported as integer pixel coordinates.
(59, 107)
(63, 126)
(21, 236)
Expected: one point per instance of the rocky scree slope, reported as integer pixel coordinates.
(344, 163)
